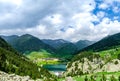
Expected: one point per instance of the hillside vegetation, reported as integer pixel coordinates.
(100, 63)
(13, 62)
(42, 57)
(27, 43)
(109, 42)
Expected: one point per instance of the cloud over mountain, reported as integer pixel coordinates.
(70, 20)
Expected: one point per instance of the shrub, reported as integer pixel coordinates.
(86, 78)
(116, 62)
(112, 78)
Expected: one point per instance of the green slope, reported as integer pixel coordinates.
(42, 57)
(106, 43)
(27, 43)
(105, 57)
(13, 62)
(109, 76)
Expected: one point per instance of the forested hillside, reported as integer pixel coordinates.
(108, 42)
(13, 62)
(27, 43)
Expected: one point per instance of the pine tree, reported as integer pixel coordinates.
(103, 78)
(86, 78)
(119, 78)
(113, 78)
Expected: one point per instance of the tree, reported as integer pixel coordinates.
(92, 78)
(112, 78)
(118, 56)
(104, 77)
(2, 61)
(86, 78)
(119, 78)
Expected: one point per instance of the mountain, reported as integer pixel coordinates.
(13, 62)
(10, 39)
(62, 47)
(99, 57)
(83, 43)
(108, 42)
(27, 43)
(67, 49)
(55, 43)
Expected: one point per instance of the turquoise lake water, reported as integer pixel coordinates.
(55, 67)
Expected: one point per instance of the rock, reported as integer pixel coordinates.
(97, 65)
(69, 79)
(12, 77)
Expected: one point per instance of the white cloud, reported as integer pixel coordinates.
(103, 6)
(100, 14)
(116, 9)
(54, 19)
(15, 2)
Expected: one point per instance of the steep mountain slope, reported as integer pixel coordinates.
(28, 43)
(106, 43)
(5, 45)
(10, 39)
(103, 56)
(13, 62)
(63, 47)
(55, 43)
(83, 43)
(67, 49)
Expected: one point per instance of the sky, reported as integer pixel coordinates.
(71, 20)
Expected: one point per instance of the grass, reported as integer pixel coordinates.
(113, 53)
(39, 63)
(98, 76)
(38, 54)
(42, 57)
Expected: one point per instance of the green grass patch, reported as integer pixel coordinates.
(113, 53)
(38, 54)
(98, 76)
(42, 57)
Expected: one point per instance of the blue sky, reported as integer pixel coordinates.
(71, 20)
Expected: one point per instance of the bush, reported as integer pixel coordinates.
(119, 78)
(112, 78)
(118, 56)
(104, 78)
(86, 78)
(116, 62)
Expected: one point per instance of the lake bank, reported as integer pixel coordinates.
(56, 69)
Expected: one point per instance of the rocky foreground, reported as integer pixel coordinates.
(12, 77)
(97, 65)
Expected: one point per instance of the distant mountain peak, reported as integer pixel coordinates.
(83, 43)
(26, 35)
(106, 43)
(28, 42)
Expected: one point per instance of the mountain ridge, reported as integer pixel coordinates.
(108, 42)
(28, 42)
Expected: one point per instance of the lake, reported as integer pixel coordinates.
(56, 69)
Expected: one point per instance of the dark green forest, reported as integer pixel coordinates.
(13, 62)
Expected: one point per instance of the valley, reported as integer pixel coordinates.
(65, 61)
(59, 40)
